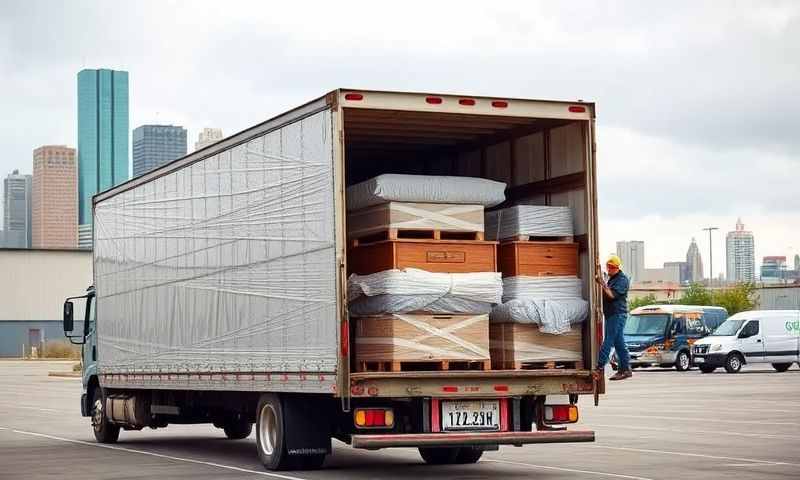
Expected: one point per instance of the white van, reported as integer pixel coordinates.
(766, 336)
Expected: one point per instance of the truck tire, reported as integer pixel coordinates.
(270, 433)
(733, 363)
(683, 361)
(308, 462)
(237, 429)
(104, 431)
(707, 368)
(469, 455)
(781, 367)
(439, 455)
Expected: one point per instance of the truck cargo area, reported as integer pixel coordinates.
(543, 161)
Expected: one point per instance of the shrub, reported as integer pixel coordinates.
(61, 349)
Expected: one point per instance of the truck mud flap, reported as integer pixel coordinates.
(373, 442)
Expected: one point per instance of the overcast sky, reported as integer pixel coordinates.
(698, 102)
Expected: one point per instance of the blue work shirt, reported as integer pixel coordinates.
(618, 284)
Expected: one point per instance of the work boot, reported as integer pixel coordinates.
(622, 375)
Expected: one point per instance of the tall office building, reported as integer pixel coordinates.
(207, 137)
(740, 255)
(682, 268)
(773, 269)
(55, 197)
(694, 263)
(632, 256)
(155, 145)
(102, 140)
(17, 210)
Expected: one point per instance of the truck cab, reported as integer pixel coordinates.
(83, 307)
(663, 335)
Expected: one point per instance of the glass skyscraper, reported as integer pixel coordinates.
(155, 145)
(102, 140)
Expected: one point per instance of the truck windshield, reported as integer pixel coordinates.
(729, 327)
(646, 324)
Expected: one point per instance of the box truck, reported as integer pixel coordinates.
(220, 296)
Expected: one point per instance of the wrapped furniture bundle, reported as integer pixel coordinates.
(552, 303)
(531, 220)
(413, 290)
(425, 189)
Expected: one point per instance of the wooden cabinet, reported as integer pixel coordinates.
(440, 256)
(537, 259)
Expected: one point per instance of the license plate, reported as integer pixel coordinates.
(698, 360)
(471, 415)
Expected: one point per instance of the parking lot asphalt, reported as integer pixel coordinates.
(662, 424)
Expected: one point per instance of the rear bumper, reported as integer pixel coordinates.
(373, 442)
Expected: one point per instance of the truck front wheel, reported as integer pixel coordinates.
(270, 436)
(104, 431)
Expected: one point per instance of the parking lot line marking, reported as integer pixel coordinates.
(159, 455)
(687, 454)
(715, 432)
(755, 464)
(695, 419)
(571, 470)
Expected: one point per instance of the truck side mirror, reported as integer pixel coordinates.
(68, 320)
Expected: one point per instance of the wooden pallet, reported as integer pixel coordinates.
(402, 233)
(426, 366)
(570, 365)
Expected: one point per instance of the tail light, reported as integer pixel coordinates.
(560, 413)
(374, 417)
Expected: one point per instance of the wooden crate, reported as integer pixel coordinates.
(440, 256)
(392, 342)
(537, 259)
(516, 346)
(400, 217)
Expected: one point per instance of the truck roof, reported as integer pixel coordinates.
(654, 309)
(443, 103)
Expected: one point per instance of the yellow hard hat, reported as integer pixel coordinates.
(614, 260)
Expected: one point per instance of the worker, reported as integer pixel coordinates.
(615, 311)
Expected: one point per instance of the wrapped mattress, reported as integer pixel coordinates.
(552, 303)
(413, 290)
(532, 220)
(425, 189)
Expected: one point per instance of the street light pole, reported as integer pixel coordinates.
(710, 256)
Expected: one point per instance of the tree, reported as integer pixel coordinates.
(648, 299)
(739, 298)
(696, 294)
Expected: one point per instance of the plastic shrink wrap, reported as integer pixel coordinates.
(414, 290)
(553, 303)
(532, 220)
(226, 264)
(425, 189)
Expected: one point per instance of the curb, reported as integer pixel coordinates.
(64, 374)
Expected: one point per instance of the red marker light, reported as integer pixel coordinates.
(499, 104)
(353, 96)
(450, 389)
(466, 101)
(433, 100)
(501, 388)
(577, 109)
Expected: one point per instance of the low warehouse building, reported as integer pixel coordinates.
(34, 284)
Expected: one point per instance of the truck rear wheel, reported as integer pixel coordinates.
(439, 455)
(104, 431)
(238, 429)
(469, 455)
(270, 433)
